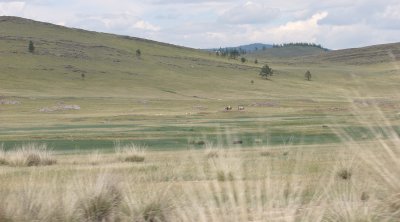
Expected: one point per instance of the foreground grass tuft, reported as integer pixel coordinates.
(28, 155)
(130, 152)
(3, 160)
(344, 174)
(3, 216)
(101, 203)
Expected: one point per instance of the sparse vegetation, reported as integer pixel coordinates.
(140, 101)
(243, 59)
(130, 152)
(28, 155)
(99, 204)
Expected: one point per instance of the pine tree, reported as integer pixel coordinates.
(31, 47)
(266, 71)
(308, 75)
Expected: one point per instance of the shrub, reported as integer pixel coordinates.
(3, 160)
(101, 205)
(94, 157)
(153, 212)
(265, 153)
(3, 216)
(134, 158)
(222, 176)
(344, 174)
(130, 152)
(211, 151)
(30, 154)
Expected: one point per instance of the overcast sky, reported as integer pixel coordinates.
(335, 24)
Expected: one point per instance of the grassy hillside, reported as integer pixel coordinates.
(373, 54)
(170, 96)
(288, 52)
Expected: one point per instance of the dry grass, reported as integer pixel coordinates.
(28, 155)
(237, 186)
(130, 152)
(352, 181)
(3, 160)
(99, 202)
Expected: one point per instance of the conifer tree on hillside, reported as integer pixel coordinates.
(308, 75)
(266, 71)
(31, 47)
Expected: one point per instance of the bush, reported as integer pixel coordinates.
(130, 152)
(222, 176)
(153, 212)
(344, 174)
(31, 154)
(3, 160)
(101, 205)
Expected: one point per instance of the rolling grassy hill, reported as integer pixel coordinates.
(373, 54)
(170, 96)
(288, 52)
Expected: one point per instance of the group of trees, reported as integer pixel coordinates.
(306, 44)
(232, 53)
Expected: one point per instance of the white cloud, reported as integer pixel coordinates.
(250, 13)
(296, 31)
(146, 26)
(12, 8)
(392, 12)
(214, 23)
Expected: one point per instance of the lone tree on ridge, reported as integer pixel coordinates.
(308, 75)
(31, 47)
(266, 71)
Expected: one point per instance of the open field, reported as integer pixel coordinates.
(170, 96)
(356, 181)
(320, 150)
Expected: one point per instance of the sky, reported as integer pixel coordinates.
(336, 24)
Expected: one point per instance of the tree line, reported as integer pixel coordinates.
(305, 44)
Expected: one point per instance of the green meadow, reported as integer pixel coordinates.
(91, 131)
(170, 96)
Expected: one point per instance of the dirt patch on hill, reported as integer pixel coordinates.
(9, 102)
(60, 108)
(265, 104)
(383, 103)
